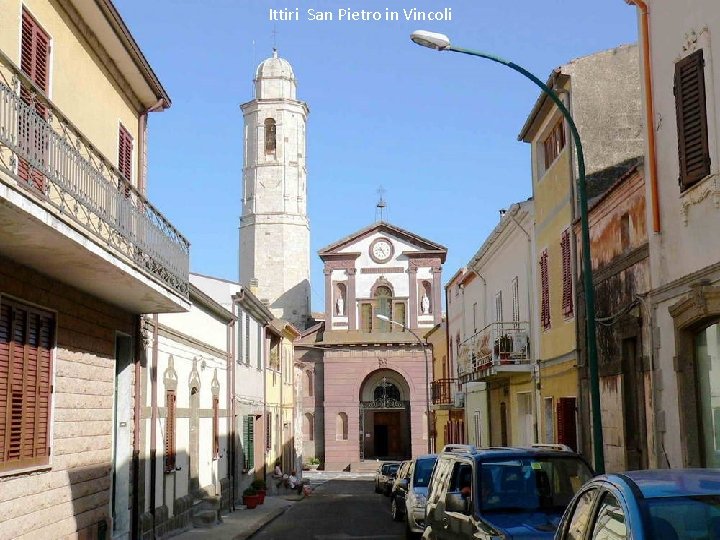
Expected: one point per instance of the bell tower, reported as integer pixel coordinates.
(274, 228)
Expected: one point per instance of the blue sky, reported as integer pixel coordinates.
(437, 130)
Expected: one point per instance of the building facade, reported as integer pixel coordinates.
(373, 368)
(84, 254)
(274, 227)
(682, 156)
(602, 92)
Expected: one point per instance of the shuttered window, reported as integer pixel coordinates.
(567, 294)
(27, 337)
(32, 138)
(268, 431)
(566, 426)
(693, 153)
(554, 143)
(125, 151)
(366, 321)
(216, 427)
(249, 443)
(544, 292)
(170, 431)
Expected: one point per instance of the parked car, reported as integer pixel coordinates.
(501, 492)
(663, 504)
(409, 494)
(385, 475)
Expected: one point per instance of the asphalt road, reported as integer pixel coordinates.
(337, 510)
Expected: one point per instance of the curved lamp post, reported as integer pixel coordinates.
(427, 376)
(441, 42)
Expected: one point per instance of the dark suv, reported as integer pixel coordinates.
(501, 492)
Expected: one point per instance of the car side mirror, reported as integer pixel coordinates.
(457, 502)
(403, 483)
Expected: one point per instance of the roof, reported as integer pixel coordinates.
(502, 452)
(427, 246)
(274, 68)
(507, 220)
(605, 180)
(674, 482)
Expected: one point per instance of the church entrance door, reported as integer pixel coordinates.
(385, 417)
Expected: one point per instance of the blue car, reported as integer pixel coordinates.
(663, 504)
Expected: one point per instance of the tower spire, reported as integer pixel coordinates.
(380, 206)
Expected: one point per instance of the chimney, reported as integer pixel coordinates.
(502, 213)
(253, 286)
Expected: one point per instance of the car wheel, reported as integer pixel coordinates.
(428, 534)
(409, 534)
(394, 510)
(377, 488)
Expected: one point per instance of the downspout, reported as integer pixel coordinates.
(135, 516)
(161, 105)
(236, 298)
(649, 109)
(153, 416)
(231, 408)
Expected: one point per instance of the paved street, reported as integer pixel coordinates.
(338, 509)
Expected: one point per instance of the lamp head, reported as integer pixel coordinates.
(432, 40)
(383, 317)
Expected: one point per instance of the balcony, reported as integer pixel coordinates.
(499, 348)
(443, 392)
(67, 212)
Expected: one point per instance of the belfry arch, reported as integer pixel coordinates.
(384, 416)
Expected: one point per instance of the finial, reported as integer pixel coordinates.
(274, 52)
(381, 205)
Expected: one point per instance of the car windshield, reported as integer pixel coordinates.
(530, 484)
(423, 470)
(685, 517)
(390, 468)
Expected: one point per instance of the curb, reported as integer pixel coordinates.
(269, 519)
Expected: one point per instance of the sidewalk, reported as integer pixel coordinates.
(243, 523)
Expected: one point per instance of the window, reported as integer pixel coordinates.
(610, 522)
(566, 425)
(35, 64)
(567, 297)
(216, 427)
(580, 521)
(268, 431)
(241, 334)
(554, 143)
(516, 300)
(383, 297)
(549, 421)
(308, 383)
(270, 136)
(27, 337)
(498, 307)
(399, 316)
(692, 127)
(366, 320)
(625, 232)
(249, 443)
(259, 347)
(545, 292)
(707, 365)
(170, 431)
(309, 427)
(341, 427)
(475, 317)
(247, 339)
(125, 150)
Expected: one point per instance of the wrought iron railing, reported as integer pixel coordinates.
(442, 391)
(43, 151)
(498, 344)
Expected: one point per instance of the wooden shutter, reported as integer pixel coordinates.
(366, 322)
(249, 442)
(216, 427)
(35, 64)
(693, 152)
(566, 426)
(26, 342)
(170, 399)
(268, 431)
(545, 292)
(567, 295)
(125, 150)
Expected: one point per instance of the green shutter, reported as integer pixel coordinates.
(249, 442)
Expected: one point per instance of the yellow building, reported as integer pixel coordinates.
(445, 400)
(601, 92)
(280, 413)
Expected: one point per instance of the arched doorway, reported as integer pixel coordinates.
(385, 416)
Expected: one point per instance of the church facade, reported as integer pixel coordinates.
(365, 391)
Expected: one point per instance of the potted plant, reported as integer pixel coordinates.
(260, 488)
(504, 346)
(314, 463)
(250, 498)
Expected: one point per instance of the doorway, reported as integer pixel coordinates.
(633, 389)
(122, 437)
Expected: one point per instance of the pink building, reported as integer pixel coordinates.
(364, 389)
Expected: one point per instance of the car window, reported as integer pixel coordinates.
(685, 517)
(580, 520)
(423, 470)
(610, 522)
(440, 479)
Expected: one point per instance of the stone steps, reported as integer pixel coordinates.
(206, 512)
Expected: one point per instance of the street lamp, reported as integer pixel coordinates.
(441, 42)
(427, 374)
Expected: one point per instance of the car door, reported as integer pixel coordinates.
(611, 518)
(403, 487)
(437, 489)
(578, 519)
(457, 522)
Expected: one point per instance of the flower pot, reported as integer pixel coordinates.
(261, 496)
(251, 501)
(314, 466)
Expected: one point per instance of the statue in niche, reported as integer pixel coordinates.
(340, 305)
(425, 304)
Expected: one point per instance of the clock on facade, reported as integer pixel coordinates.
(381, 250)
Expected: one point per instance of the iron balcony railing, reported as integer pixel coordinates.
(442, 391)
(498, 344)
(44, 152)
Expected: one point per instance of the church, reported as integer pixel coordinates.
(364, 363)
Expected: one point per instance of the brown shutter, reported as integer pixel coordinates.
(545, 292)
(26, 343)
(567, 298)
(216, 427)
(35, 64)
(693, 153)
(566, 427)
(170, 431)
(125, 149)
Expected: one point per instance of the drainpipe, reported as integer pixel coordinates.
(649, 109)
(236, 299)
(135, 516)
(153, 416)
(230, 408)
(161, 105)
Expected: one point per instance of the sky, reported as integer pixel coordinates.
(437, 130)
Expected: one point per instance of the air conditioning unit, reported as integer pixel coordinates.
(459, 401)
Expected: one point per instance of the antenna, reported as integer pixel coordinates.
(254, 65)
(274, 36)
(381, 205)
